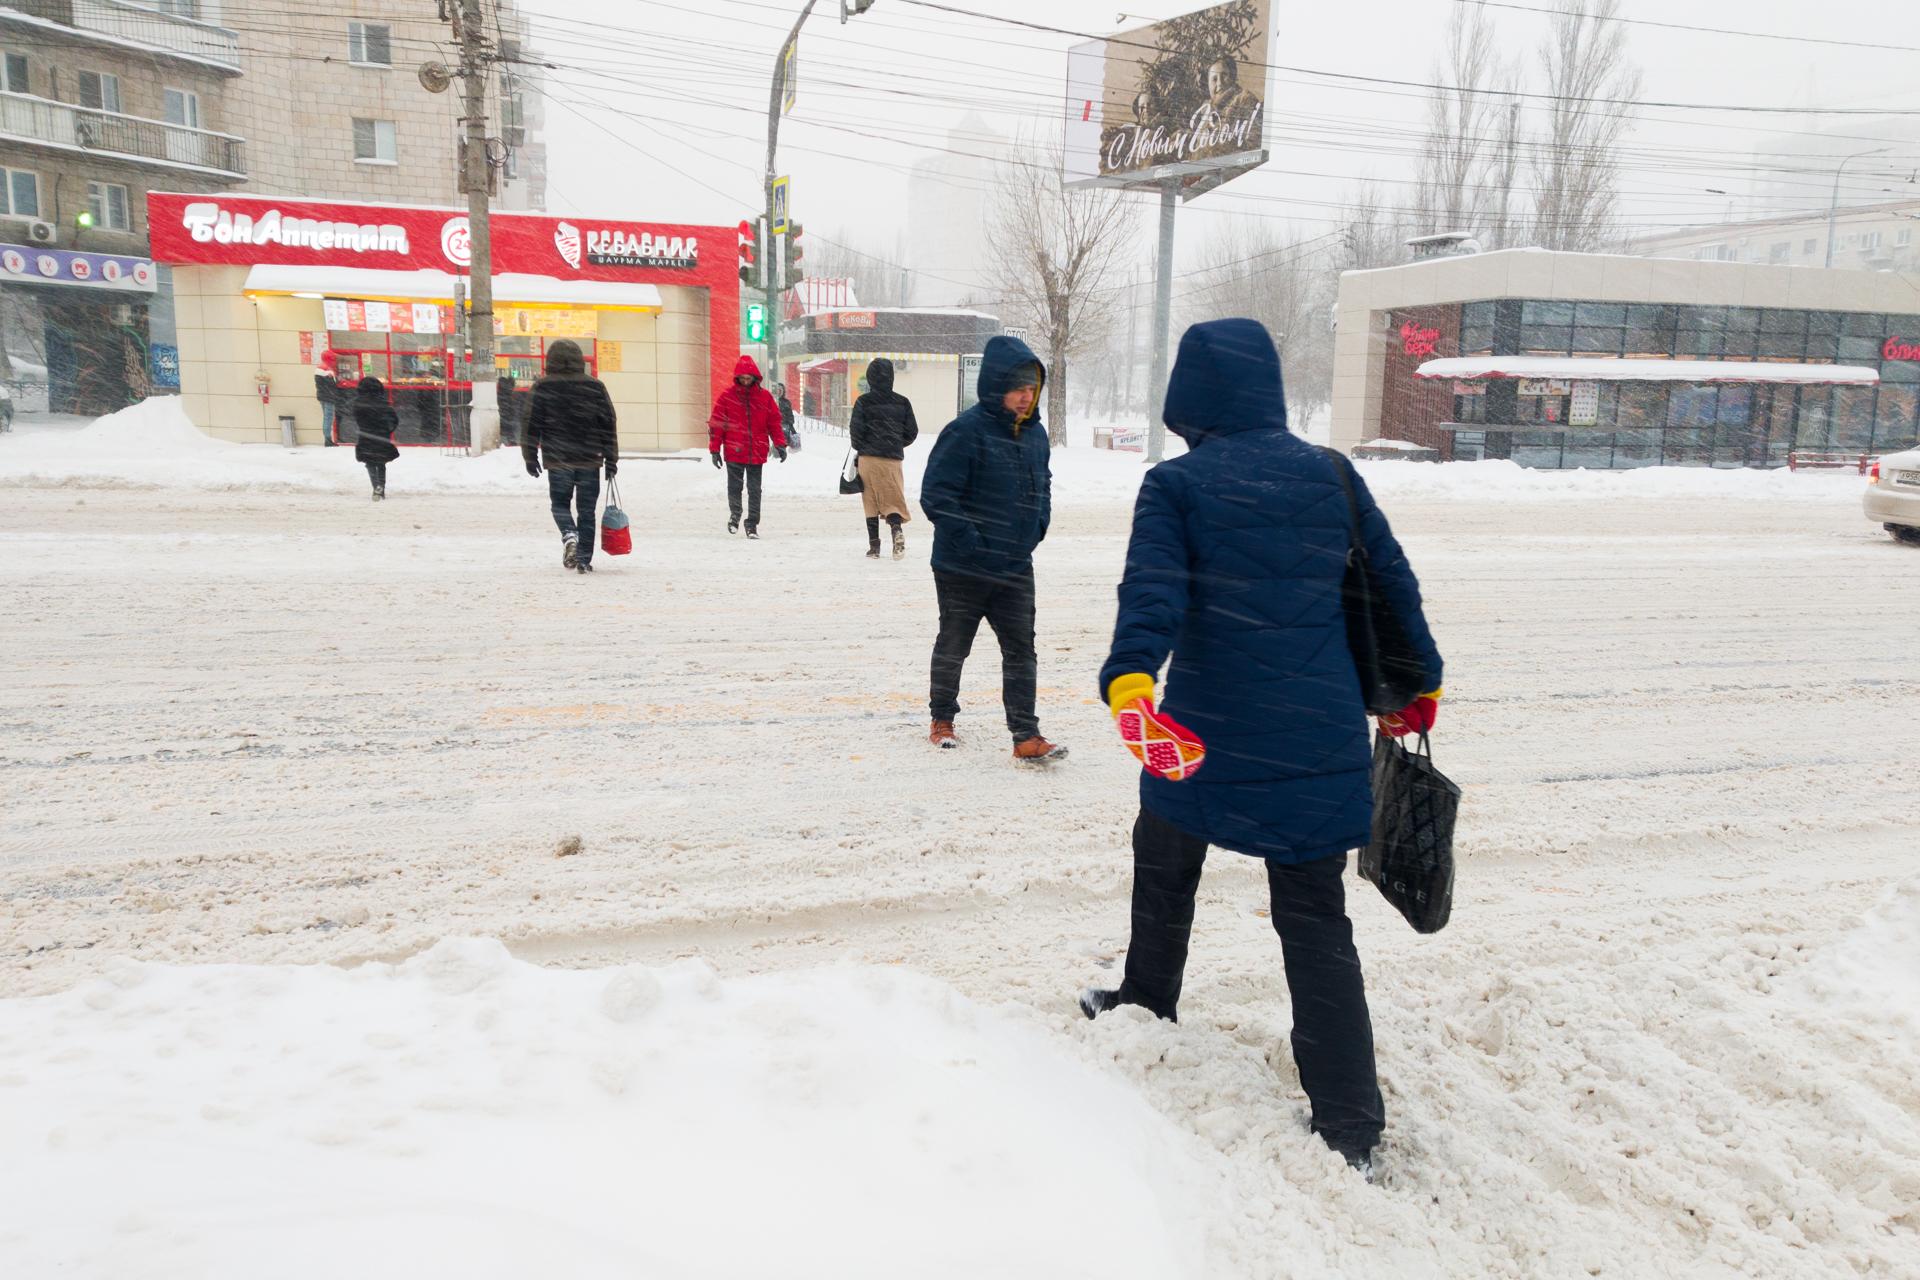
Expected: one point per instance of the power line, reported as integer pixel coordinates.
(1681, 26)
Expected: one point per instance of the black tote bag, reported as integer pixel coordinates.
(1409, 856)
(1391, 673)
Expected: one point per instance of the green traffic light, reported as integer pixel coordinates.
(83, 219)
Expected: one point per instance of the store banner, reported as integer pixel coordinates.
(241, 230)
(351, 315)
(28, 264)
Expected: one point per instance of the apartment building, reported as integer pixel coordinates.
(1874, 237)
(103, 101)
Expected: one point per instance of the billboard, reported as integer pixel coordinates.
(1186, 96)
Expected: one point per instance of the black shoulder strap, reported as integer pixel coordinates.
(1340, 465)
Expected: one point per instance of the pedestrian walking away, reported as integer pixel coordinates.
(881, 430)
(571, 430)
(376, 422)
(786, 416)
(1260, 744)
(327, 390)
(742, 430)
(988, 493)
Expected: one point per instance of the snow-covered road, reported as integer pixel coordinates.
(295, 726)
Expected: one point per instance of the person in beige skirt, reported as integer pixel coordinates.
(881, 430)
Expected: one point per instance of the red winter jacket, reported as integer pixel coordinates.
(746, 423)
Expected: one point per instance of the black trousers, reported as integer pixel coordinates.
(1007, 605)
(1332, 1033)
(736, 473)
(377, 473)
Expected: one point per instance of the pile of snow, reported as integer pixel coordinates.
(465, 1114)
(1400, 446)
(1876, 968)
(1502, 481)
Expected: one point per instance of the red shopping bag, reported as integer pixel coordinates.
(616, 539)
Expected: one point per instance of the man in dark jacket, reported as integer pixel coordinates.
(571, 425)
(376, 422)
(1234, 568)
(881, 429)
(743, 427)
(989, 492)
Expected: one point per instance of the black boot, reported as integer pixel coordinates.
(899, 538)
(873, 537)
(1095, 1001)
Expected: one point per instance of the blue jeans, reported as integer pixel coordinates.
(579, 488)
(327, 413)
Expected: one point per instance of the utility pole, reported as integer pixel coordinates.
(1162, 322)
(1133, 341)
(1833, 205)
(476, 176)
(1506, 186)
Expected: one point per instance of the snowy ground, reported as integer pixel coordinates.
(251, 721)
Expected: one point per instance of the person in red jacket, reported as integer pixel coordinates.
(744, 425)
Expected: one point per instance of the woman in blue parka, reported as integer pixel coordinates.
(1234, 568)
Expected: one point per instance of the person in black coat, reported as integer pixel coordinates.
(880, 429)
(571, 426)
(377, 422)
(786, 416)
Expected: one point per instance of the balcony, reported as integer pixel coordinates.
(134, 26)
(112, 136)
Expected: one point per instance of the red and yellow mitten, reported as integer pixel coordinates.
(1416, 717)
(1163, 746)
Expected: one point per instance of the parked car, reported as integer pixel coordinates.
(1894, 496)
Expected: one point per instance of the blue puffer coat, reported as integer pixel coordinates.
(1235, 566)
(988, 488)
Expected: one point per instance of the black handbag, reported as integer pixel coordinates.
(1409, 856)
(850, 482)
(1391, 673)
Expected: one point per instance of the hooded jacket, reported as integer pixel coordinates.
(745, 424)
(375, 422)
(989, 487)
(1235, 565)
(570, 418)
(882, 424)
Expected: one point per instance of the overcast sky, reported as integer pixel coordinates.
(658, 109)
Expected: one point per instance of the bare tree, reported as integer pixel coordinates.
(1252, 269)
(1462, 151)
(1373, 233)
(1057, 260)
(877, 278)
(1588, 77)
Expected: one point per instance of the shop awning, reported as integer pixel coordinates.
(826, 364)
(437, 286)
(1606, 369)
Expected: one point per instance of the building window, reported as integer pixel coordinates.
(1869, 241)
(183, 108)
(370, 44)
(1809, 247)
(100, 91)
(178, 8)
(108, 201)
(1903, 237)
(1779, 253)
(374, 142)
(19, 194)
(13, 73)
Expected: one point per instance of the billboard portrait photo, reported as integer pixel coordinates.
(1187, 92)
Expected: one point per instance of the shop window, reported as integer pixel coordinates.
(13, 73)
(1779, 320)
(1476, 340)
(1691, 406)
(375, 142)
(1857, 324)
(1546, 313)
(1701, 319)
(1853, 419)
(1600, 313)
(1900, 371)
(1638, 448)
(1823, 322)
(1688, 447)
(1894, 419)
(1590, 449)
(1697, 343)
(1595, 340)
(369, 44)
(1470, 408)
(1644, 315)
(1810, 428)
(1860, 350)
(100, 91)
(183, 108)
(107, 201)
(1476, 313)
(1553, 340)
(1742, 319)
(1537, 448)
(19, 193)
(1736, 406)
(1782, 346)
(1641, 405)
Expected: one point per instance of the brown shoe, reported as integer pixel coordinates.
(941, 735)
(1037, 750)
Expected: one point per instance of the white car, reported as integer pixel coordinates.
(1893, 498)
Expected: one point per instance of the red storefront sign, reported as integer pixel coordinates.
(1416, 341)
(1899, 348)
(237, 230)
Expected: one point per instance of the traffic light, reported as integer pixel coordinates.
(794, 273)
(83, 219)
(853, 8)
(750, 253)
(756, 317)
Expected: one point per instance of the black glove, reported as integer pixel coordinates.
(533, 468)
(717, 464)
(780, 452)
(613, 468)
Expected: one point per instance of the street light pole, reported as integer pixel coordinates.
(1833, 205)
(483, 416)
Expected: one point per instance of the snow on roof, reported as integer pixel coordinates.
(437, 286)
(1405, 446)
(1602, 369)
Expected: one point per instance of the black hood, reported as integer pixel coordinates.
(370, 389)
(880, 374)
(565, 360)
(1007, 363)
